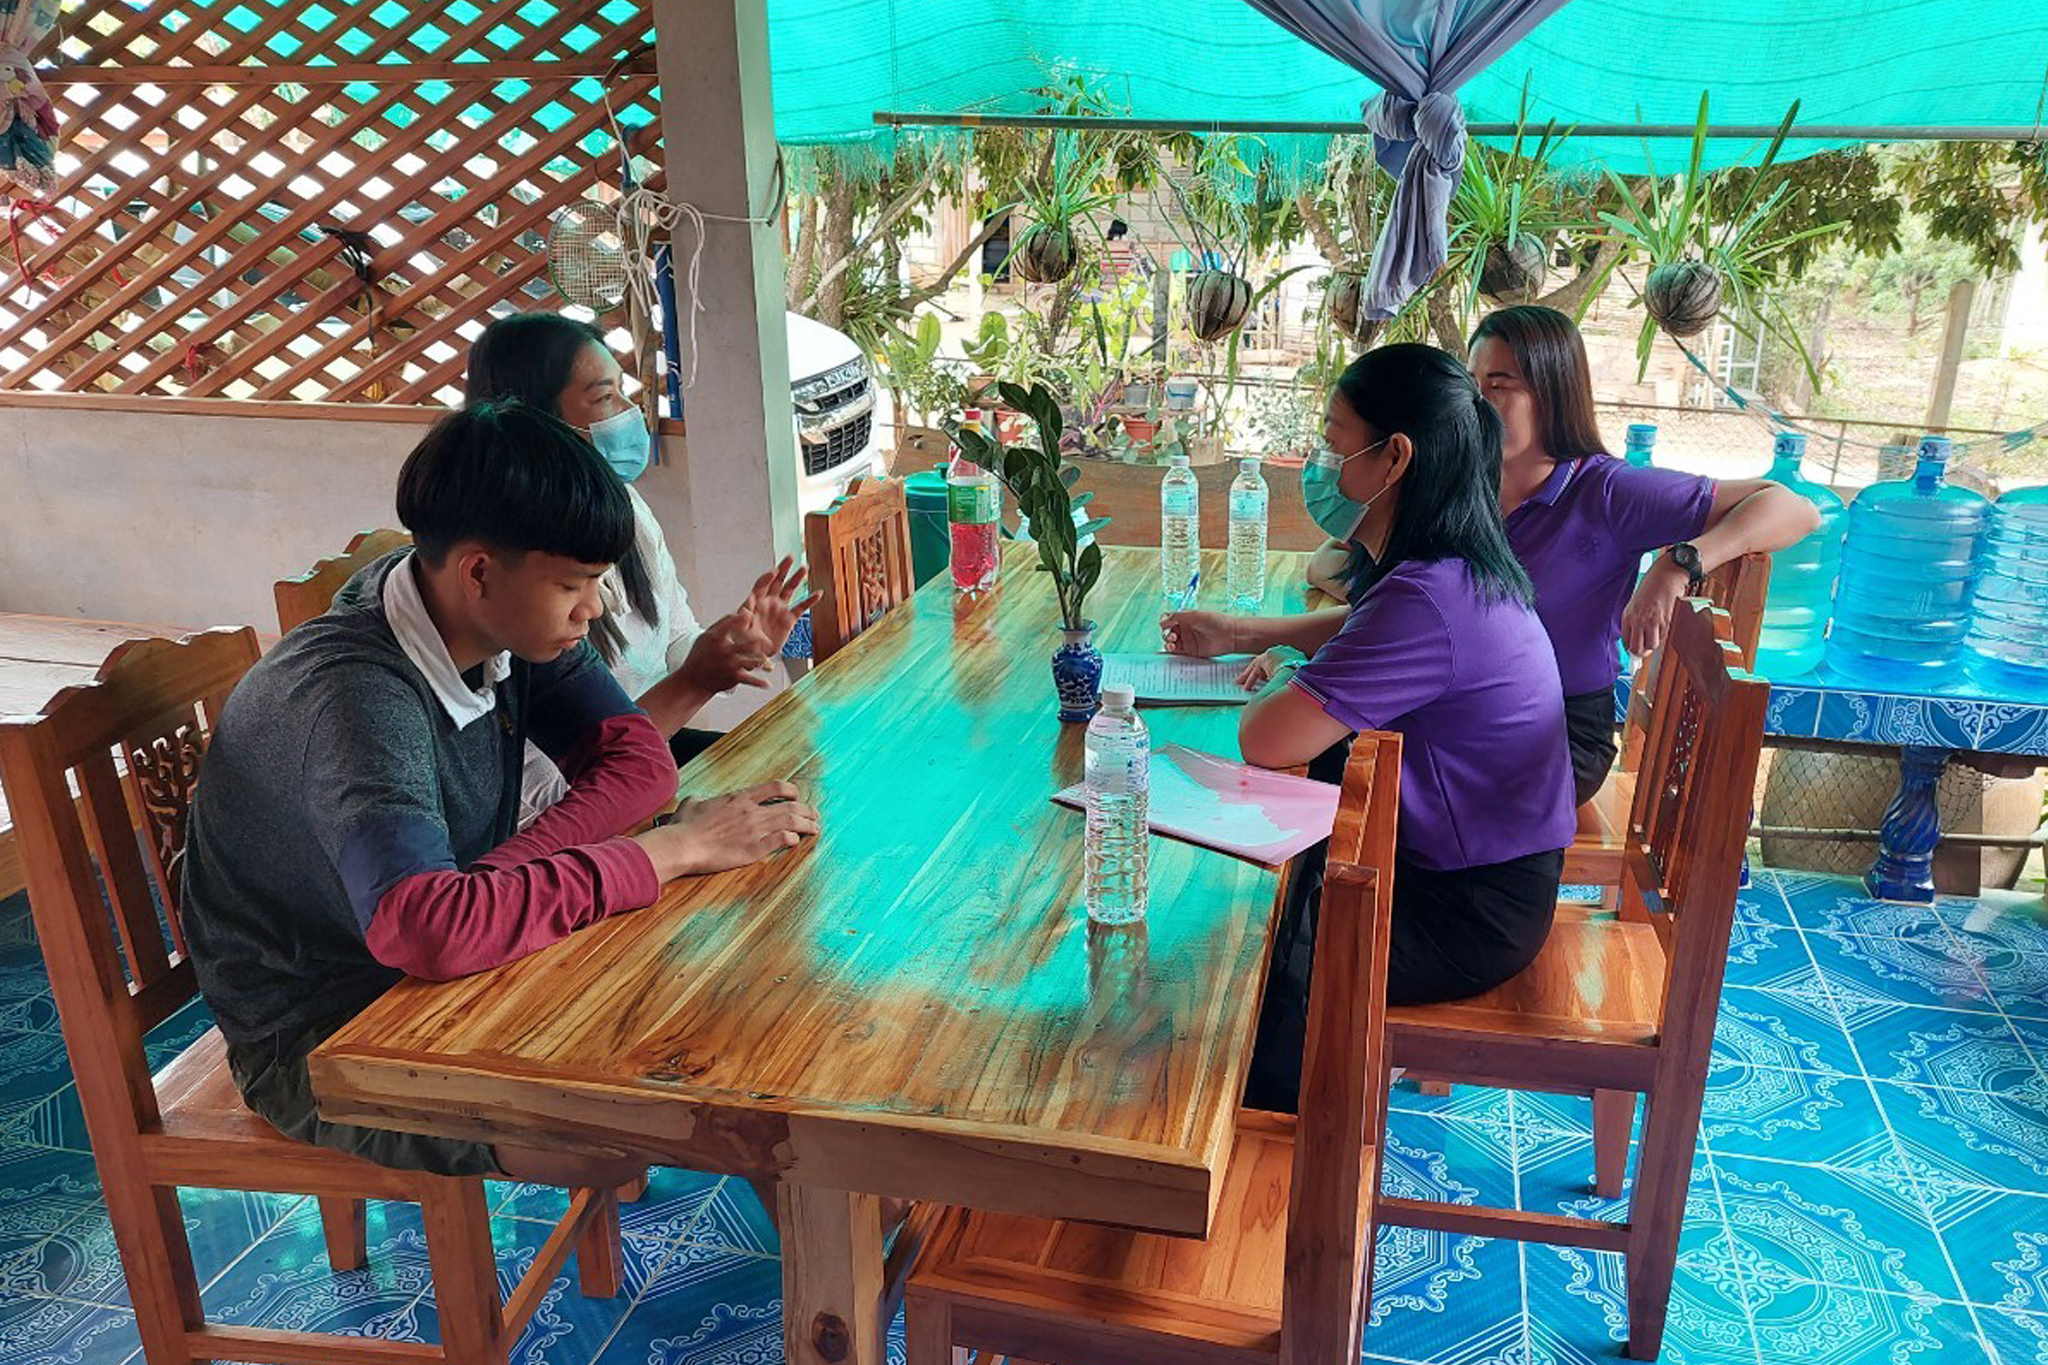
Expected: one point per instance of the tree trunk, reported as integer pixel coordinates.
(1443, 320)
(803, 265)
(1572, 297)
(1913, 312)
(1319, 229)
(835, 242)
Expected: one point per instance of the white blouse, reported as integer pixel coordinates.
(653, 646)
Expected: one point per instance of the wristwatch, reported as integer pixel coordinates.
(1686, 556)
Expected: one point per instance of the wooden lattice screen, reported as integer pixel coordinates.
(221, 161)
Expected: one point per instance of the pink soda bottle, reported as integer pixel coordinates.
(972, 518)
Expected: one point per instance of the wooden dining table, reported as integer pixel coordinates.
(912, 1005)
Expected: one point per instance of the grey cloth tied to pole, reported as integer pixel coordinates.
(1413, 242)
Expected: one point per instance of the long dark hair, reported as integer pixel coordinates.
(530, 356)
(1450, 495)
(1552, 356)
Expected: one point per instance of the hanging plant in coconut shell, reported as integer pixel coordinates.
(1218, 303)
(1345, 299)
(1230, 213)
(1507, 208)
(1709, 246)
(1069, 188)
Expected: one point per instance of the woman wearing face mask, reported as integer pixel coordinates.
(1580, 522)
(648, 636)
(1442, 646)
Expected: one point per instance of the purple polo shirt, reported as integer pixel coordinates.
(1582, 537)
(1471, 687)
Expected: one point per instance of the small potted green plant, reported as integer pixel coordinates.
(921, 386)
(1042, 484)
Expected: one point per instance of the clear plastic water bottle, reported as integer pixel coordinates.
(1642, 442)
(2009, 633)
(1802, 575)
(1909, 572)
(1180, 533)
(1119, 763)
(972, 519)
(1245, 561)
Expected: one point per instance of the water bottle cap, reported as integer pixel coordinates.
(1249, 464)
(1935, 447)
(1642, 433)
(1177, 461)
(1119, 697)
(1789, 443)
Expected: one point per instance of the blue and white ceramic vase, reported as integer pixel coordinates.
(1077, 674)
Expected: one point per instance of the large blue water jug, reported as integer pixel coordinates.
(2009, 630)
(1802, 575)
(1909, 569)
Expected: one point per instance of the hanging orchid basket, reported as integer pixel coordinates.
(1046, 253)
(1218, 303)
(1512, 272)
(1684, 297)
(1346, 297)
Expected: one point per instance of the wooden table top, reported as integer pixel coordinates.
(912, 1005)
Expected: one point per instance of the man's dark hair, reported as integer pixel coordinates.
(515, 479)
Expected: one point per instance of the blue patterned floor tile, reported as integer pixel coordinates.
(729, 1217)
(1768, 955)
(82, 1261)
(2015, 1338)
(1464, 1102)
(1820, 1325)
(1913, 971)
(2017, 918)
(1578, 1312)
(1804, 1117)
(1458, 1161)
(1999, 1243)
(2002, 1138)
(35, 1013)
(1771, 1028)
(705, 1305)
(1445, 1300)
(1794, 1224)
(285, 1282)
(1854, 913)
(1958, 1049)
(1559, 1179)
(56, 1332)
(674, 1202)
(177, 1033)
(46, 1192)
(1556, 1113)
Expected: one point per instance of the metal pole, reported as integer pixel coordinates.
(1832, 132)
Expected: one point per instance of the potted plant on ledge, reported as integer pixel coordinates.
(1041, 482)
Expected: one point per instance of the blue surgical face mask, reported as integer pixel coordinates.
(1338, 516)
(624, 443)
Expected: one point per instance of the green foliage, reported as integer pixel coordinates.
(1042, 484)
(911, 367)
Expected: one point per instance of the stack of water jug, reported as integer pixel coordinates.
(1926, 582)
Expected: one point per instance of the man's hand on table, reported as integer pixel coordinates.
(719, 833)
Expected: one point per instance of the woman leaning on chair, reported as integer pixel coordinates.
(1442, 645)
(1580, 522)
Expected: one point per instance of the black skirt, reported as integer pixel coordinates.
(1455, 934)
(1589, 730)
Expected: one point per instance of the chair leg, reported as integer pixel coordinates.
(1657, 1213)
(1614, 1115)
(600, 1256)
(156, 1261)
(927, 1331)
(348, 1234)
(458, 1223)
(633, 1191)
(1434, 1087)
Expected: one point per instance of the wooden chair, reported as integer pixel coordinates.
(859, 558)
(1596, 855)
(1622, 1004)
(150, 711)
(1286, 1273)
(310, 594)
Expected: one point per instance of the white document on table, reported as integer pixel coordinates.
(1177, 678)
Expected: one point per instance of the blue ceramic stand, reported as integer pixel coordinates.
(1904, 870)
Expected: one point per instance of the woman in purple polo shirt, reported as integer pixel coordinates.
(1442, 645)
(1580, 521)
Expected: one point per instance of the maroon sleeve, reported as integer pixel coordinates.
(619, 774)
(444, 924)
(567, 869)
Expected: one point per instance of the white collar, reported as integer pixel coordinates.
(406, 611)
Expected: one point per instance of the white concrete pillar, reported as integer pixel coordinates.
(728, 497)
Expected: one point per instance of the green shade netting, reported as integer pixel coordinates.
(1893, 63)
